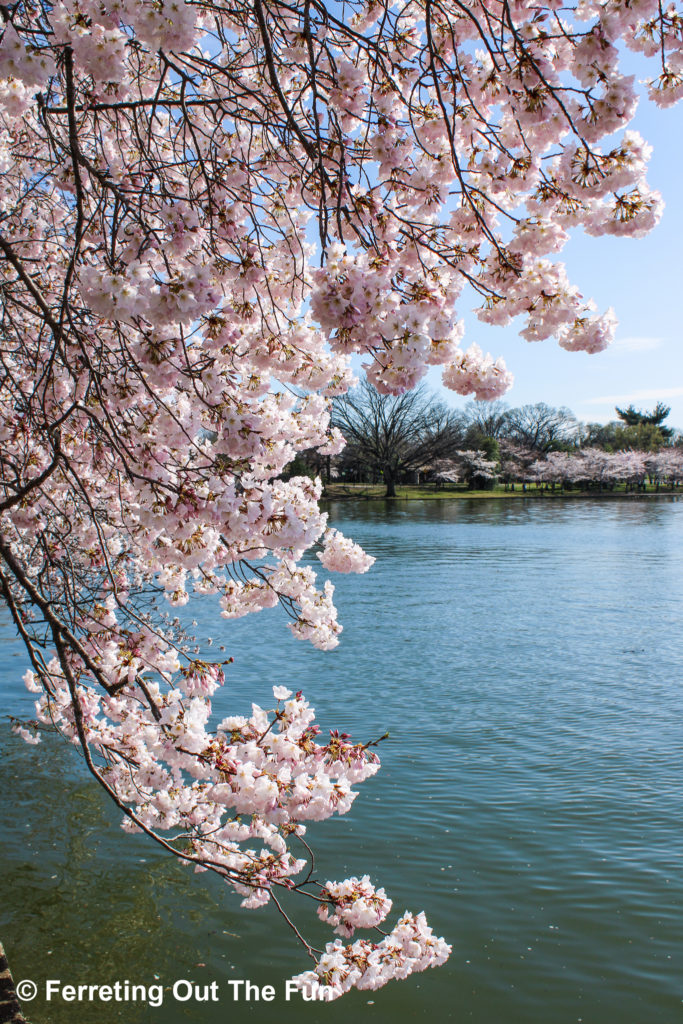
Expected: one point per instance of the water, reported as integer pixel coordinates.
(527, 660)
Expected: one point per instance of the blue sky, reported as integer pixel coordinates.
(642, 279)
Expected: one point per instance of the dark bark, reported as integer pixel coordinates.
(395, 434)
(390, 481)
(10, 1011)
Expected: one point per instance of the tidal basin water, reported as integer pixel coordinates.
(526, 657)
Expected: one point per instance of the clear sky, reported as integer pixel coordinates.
(642, 279)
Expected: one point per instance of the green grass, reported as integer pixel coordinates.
(338, 490)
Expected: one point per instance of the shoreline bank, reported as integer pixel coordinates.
(375, 493)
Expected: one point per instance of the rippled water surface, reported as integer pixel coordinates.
(527, 659)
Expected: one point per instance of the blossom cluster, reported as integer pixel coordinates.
(409, 948)
(355, 903)
(253, 780)
(341, 555)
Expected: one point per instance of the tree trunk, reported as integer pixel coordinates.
(390, 481)
(10, 1011)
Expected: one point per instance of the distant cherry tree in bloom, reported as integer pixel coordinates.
(173, 333)
(595, 466)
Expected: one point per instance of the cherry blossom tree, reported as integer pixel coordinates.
(445, 471)
(476, 468)
(555, 468)
(515, 461)
(669, 462)
(594, 466)
(205, 210)
(629, 466)
(663, 465)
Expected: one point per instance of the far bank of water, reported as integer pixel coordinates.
(527, 660)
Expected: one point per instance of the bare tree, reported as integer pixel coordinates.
(392, 434)
(487, 419)
(541, 427)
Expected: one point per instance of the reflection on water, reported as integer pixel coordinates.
(527, 659)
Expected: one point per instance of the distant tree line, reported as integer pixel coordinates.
(415, 438)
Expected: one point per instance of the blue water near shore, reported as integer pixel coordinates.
(527, 659)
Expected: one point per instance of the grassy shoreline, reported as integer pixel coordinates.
(375, 492)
